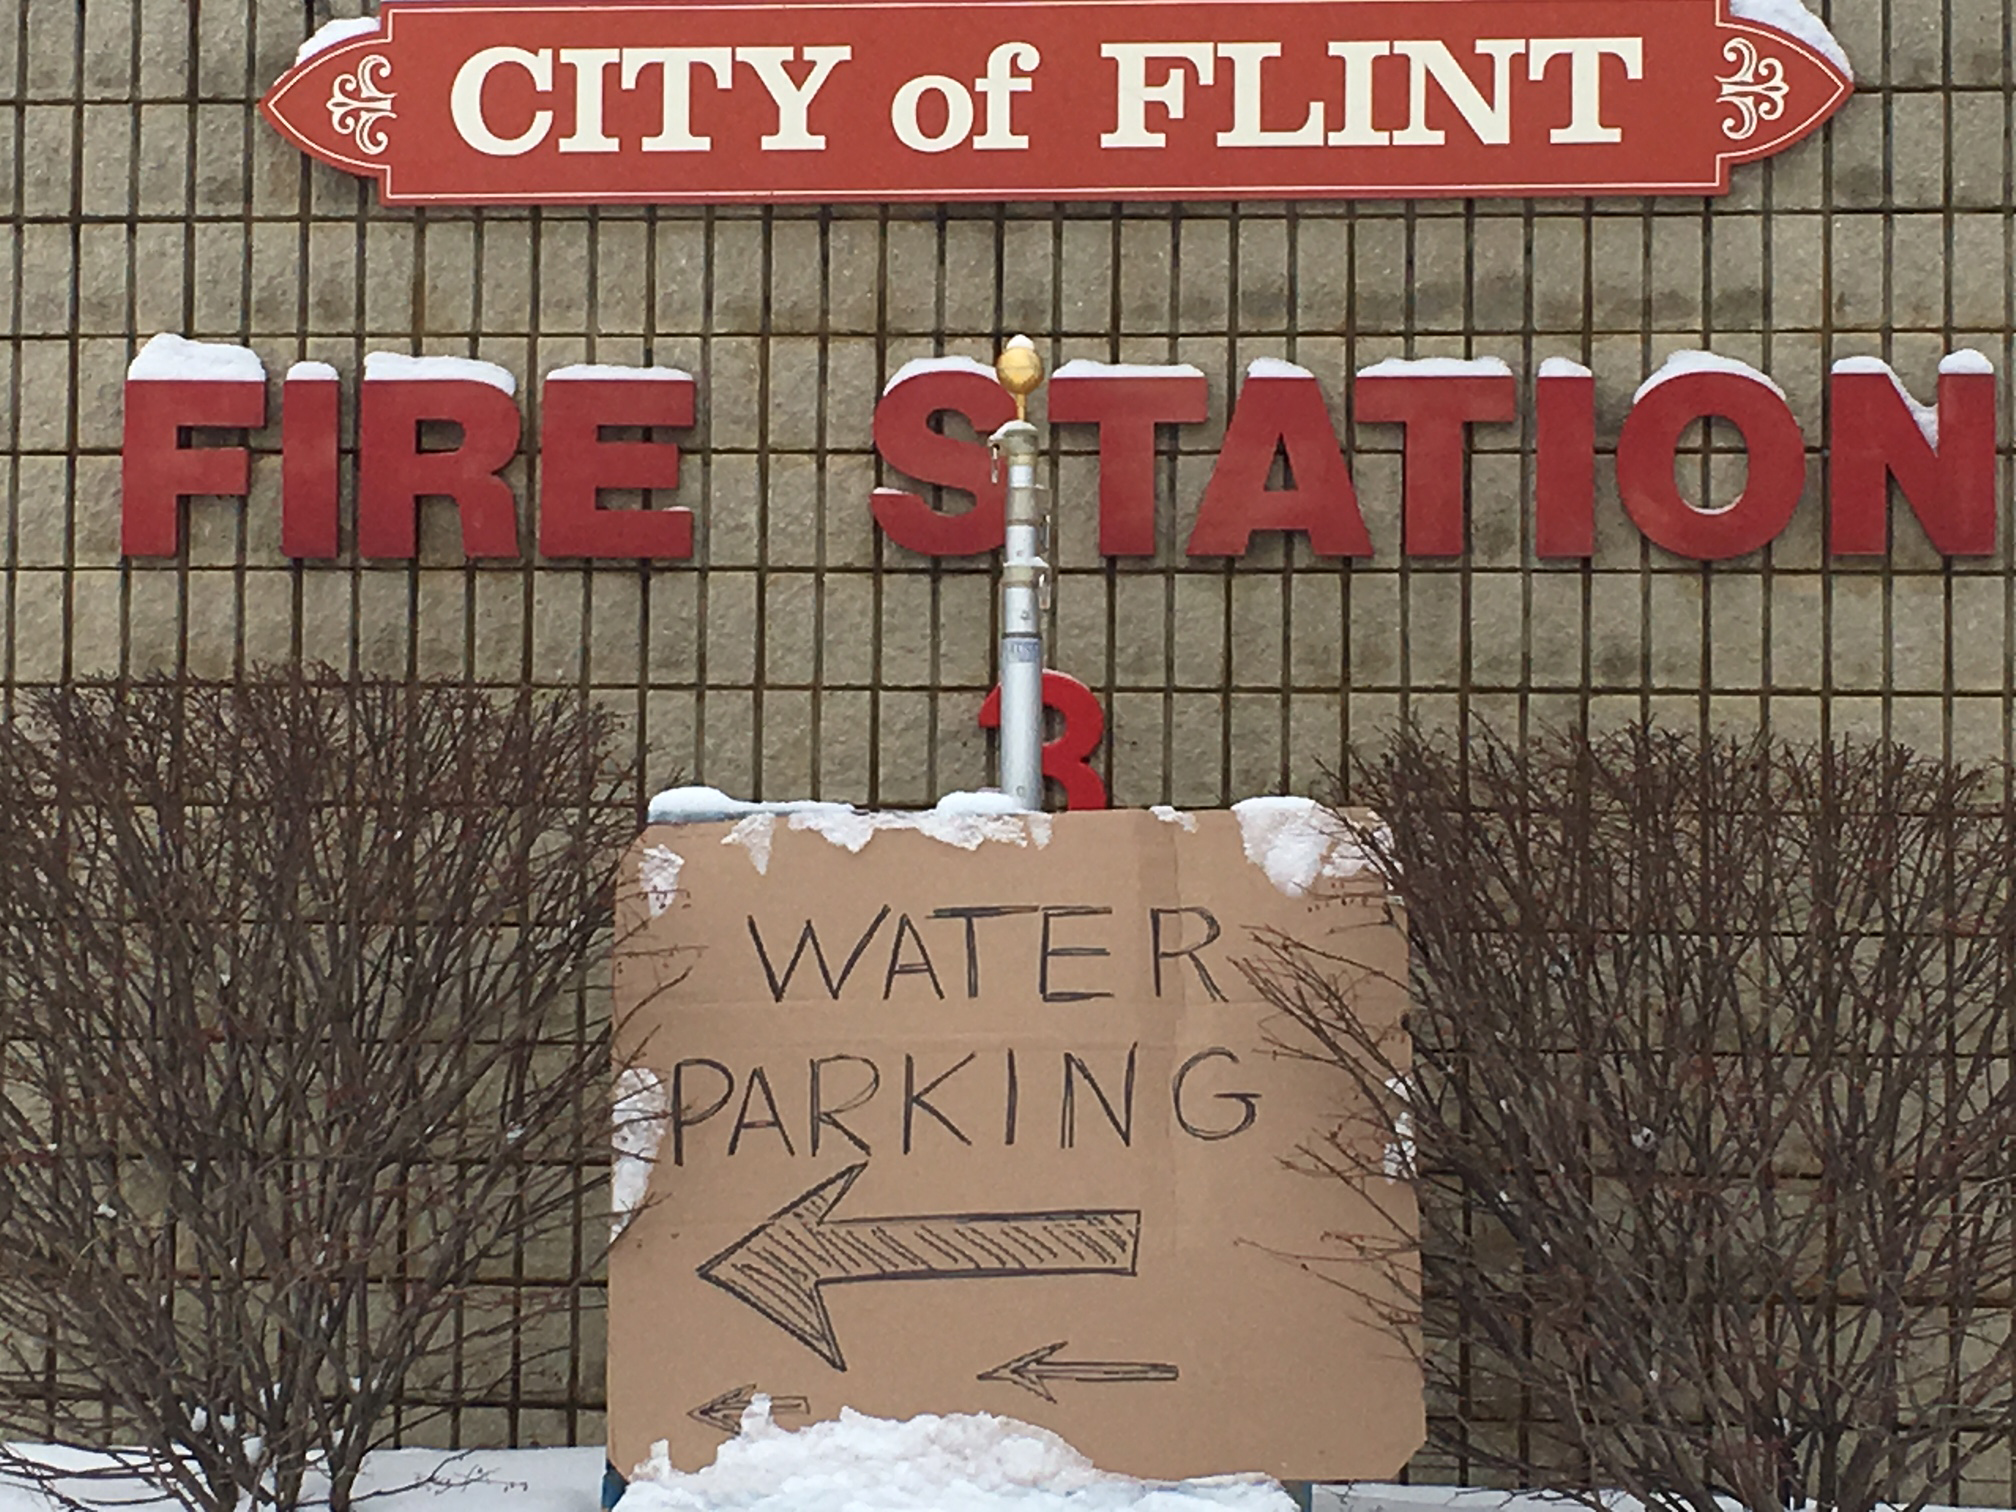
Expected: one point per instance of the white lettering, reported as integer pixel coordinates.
(1135, 94)
(465, 100)
(589, 65)
(793, 100)
(1585, 80)
(675, 125)
(1246, 131)
(1491, 119)
(999, 88)
(1357, 130)
(958, 113)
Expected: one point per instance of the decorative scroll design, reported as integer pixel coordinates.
(360, 104)
(1754, 93)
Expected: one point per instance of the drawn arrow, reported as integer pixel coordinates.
(725, 1411)
(782, 1266)
(1035, 1370)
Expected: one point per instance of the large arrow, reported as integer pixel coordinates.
(1035, 1370)
(725, 1411)
(781, 1267)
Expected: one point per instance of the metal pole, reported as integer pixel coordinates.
(1022, 574)
(1023, 584)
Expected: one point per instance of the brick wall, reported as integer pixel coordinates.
(801, 654)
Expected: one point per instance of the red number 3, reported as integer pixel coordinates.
(1067, 759)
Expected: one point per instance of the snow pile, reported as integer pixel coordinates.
(1564, 367)
(965, 1463)
(1276, 367)
(1438, 367)
(1793, 19)
(1171, 815)
(1297, 842)
(1680, 364)
(697, 805)
(169, 358)
(311, 372)
(639, 1124)
(967, 820)
(397, 367)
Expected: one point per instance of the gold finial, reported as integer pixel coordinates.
(1020, 371)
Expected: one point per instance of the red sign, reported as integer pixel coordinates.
(668, 100)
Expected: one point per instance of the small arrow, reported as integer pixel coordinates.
(1036, 1369)
(725, 1411)
(781, 1266)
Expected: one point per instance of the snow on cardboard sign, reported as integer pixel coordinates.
(978, 1114)
(521, 102)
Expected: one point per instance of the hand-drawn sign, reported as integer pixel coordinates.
(780, 1267)
(453, 101)
(1011, 1062)
(1035, 1371)
(724, 1413)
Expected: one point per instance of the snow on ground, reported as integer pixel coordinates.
(399, 1480)
(963, 1463)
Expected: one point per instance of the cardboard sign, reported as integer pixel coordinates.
(996, 1129)
(677, 100)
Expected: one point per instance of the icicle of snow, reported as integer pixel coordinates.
(967, 820)
(168, 358)
(753, 835)
(398, 367)
(1680, 364)
(852, 828)
(1083, 367)
(334, 34)
(658, 875)
(1438, 367)
(1927, 415)
(639, 1124)
(1297, 842)
(1399, 1162)
(916, 367)
(1564, 367)
(1793, 19)
(1276, 367)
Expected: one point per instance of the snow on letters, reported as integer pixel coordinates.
(168, 358)
(1680, 364)
(918, 367)
(398, 367)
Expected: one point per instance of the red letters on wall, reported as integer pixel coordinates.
(426, 430)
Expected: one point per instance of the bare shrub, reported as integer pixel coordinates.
(299, 1053)
(1707, 1104)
